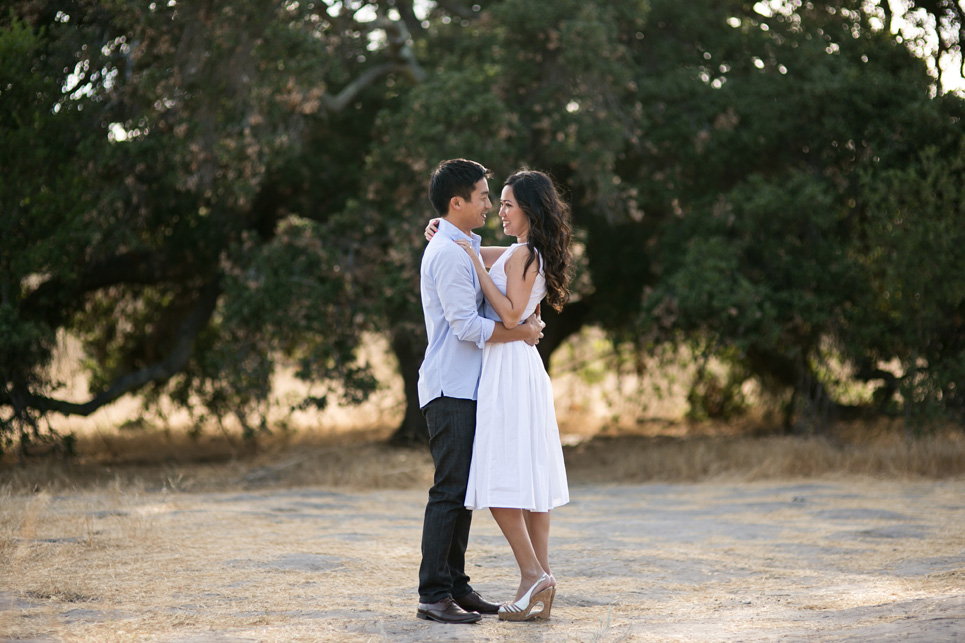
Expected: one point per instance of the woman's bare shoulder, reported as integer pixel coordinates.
(518, 259)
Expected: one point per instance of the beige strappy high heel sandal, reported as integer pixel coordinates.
(522, 610)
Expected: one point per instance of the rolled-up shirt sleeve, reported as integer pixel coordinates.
(455, 282)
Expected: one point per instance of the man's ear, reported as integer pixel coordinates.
(455, 203)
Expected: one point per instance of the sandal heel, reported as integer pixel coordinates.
(522, 610)
(546, 598)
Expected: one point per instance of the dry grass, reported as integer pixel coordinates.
(864, 451)
(159, 460)
(362, 459)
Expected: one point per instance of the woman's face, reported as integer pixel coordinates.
(515, 222)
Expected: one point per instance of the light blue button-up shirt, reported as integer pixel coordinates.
(452, 302)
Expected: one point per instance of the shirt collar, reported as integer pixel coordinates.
(454, 233)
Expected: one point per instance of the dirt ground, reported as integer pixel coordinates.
(713, 533)
(838, 559)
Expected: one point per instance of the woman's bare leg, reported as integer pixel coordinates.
(538, 527)
(513, 525)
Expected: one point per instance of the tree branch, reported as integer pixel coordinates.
(402, 60)
(340, 101)
(412, 23)
(163, 370)
(49, 300)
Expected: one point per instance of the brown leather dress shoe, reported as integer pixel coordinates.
(473, 602)
(446, 611)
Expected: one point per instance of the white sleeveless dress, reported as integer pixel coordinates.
(517, 457)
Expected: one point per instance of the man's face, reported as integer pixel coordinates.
(479, 205)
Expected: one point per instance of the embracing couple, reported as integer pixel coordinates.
(486, 397)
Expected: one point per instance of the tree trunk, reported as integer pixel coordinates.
(409, 351)
(811, 408)
(559, 326)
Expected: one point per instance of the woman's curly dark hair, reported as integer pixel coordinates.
(549, 230)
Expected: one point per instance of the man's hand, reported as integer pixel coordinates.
(535, 326)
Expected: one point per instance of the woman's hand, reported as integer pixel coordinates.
(511, 304)
(465, 245)
(432, 228)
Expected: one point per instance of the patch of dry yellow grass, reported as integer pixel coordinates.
(164, 460)
(892, 455)
(156, 460)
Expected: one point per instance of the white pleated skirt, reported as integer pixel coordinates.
(517, 457)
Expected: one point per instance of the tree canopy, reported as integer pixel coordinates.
(203, 192)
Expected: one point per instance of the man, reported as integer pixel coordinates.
(448, 382)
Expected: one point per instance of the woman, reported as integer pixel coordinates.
(517, 468)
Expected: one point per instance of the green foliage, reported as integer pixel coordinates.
(42, 186)
(285, 299)
(45, 227)
(914, 256)
(153, 155)
(765, 251)
(206, 193)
